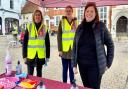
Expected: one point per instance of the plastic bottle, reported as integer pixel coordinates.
(74, 86)
(18, 68)
(46, 62)
(41, 85)
(8, 63)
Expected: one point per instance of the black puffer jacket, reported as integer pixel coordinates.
(102, 39)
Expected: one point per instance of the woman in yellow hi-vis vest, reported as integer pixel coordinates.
(65, 36)
(36, 44)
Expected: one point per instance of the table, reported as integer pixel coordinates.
(50, 84)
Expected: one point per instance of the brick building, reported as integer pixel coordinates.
(53, 16)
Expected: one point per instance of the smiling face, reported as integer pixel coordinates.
(90, 14)
(37, 17)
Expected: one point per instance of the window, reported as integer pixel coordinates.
(23, 17)
(80, 14)
(105, 9)
(11, 4)
(26, 17)
(103, 14)
(0, 2)
(57, 19)
(101, 9)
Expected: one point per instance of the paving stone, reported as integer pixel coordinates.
(114, 78)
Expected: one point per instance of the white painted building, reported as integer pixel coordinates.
(10, 13)
(26, 18)
(120, 21)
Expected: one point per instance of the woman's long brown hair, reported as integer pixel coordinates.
(35, 13)
(89, 4)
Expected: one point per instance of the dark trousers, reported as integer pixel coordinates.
(66, 64)
(36, 62)
(30, 69)
(90, 76)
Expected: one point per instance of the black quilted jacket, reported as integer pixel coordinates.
(103, 38)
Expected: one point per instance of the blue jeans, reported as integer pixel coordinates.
(66, 64)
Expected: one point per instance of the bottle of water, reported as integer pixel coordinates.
(8, 63)
(18, 68)
(41, 85)
(46, 62)
(74, 86)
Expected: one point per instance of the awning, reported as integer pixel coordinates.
(77, 3)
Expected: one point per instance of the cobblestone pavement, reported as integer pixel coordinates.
(114, 78)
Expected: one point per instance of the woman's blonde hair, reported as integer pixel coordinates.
(35, 13)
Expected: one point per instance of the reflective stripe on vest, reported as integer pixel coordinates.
(36, 42)
(67, 35)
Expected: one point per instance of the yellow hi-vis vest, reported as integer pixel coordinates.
(15, 30)
(67, 35)
(36, 41)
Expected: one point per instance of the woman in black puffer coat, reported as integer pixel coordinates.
(88, 51)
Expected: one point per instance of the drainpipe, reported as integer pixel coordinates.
(110, 17)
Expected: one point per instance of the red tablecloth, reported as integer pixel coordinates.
(50, 84)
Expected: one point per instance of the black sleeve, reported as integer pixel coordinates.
(75, 48)
(73, 56)
(110, 46)
(47, 44)
(25, 44)
(59, 37)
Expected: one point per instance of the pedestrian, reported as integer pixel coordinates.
(88, 48)
(65, 36)
(15, 32)
(36, 44)
(22, 36)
